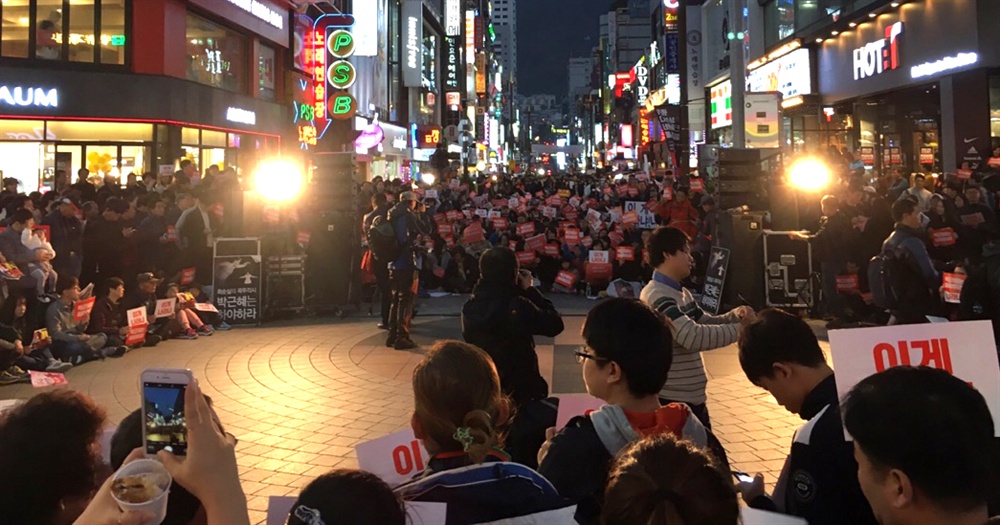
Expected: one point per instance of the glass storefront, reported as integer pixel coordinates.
(87, 31)
(216, 56)
(995, 110)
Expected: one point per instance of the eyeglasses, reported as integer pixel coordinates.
(583, 356)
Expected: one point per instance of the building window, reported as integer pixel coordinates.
(265, 72)
(216, 56)
(779, 21)
(995, 110)
(66, 30)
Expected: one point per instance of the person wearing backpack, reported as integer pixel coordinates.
(408, 221)
(380, 213)
(903, 277)
(980, 297)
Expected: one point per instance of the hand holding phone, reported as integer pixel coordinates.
(742, 477)
(163, 410)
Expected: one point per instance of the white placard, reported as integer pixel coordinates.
(762, 517)
(572, 405)
(965, 349)
(599, 256)
(165, 307)
(394, 458)
(482, 213)
(425, 512)
(495, 214)
(431, 194)
(136, 316)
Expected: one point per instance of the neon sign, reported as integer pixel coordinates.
(241, 116)
(24, 97)
(341, 75)
(881, 55)
(261, 11)
(944, 64)
(323, 92)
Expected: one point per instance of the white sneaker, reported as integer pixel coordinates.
(56, 365)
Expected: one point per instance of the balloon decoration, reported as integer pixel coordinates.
(99, 162)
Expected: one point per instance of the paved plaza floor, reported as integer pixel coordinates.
(300, 394)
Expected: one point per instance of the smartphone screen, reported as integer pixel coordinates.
(743, 477)
(165, 422)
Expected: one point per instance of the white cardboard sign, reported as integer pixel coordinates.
(431, 194)
(165, 307)
(136, 316)
(572, 405)
(964, 349)
(599, 256)
(762, 517)
(394, 458)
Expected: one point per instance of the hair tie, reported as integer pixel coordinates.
(308, 516)
(664, 493)
(464, 436)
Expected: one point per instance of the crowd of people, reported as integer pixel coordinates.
(126, 246)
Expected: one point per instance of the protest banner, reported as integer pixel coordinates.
(43, 379)
(715, 279)
(206, 307)
(646, 218)
(431, 194)
(596, 272)
(394, 458)
(952, 284)
(572, 405)
(625, 253)
(500, 223)
(188, 274)
(526, 258)
(965, 350)
(136, 316)
(443, 229)
(630, 218)
(535, 243)
(474, 234)
(599, 256)
(165, 307)
(848, 284)
(943, 237)
(136, 334)
(82, 308)
(697, 186)
(566, 279)
(552, 250)
(526, 229)
(572, 236)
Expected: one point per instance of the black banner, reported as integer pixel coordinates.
(236, 283)
(670, 121)
(715, 279)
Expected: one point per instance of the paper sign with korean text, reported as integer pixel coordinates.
(453, 184)
(566, 279)
(625, 253)
(453, 215)
(206, 307)
(952, 284)
(616, 238)
(40, 338)
(431, 194)
(394, 458)
(965, 349)
(963, 174)
(587, 241)
(616, 214)
(449, 241)
(188, 274)
(597, 272)
(494, 214)
(512, 245)
(633, 191)
(526, 258)
(668, 193)
(622, 190)
(136, 334)
(593, 216)
(572, 405)
(630, 218)
(137, 316)
(43, 379)
(425, 512)
(549, 212)
(572, 236)
(467, 213)
(973, 219)
(848, 284)
(440, 218)
(473, 234)
(697, 186)
(482, 212)
(599, 256)
(535, 243)
(607, 190)
(10, 271)
(526, 229)
(571, 214)
(552, 250)
(513, 202)
(646, 219)
(943, 237)
(500, 223)
(82, 308)
(574, 201)
(522, 209)
(564, 193)
(165, 307)
(444, 229)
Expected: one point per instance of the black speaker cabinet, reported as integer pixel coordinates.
(742, 234)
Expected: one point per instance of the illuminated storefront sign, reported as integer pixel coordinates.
(272, 16)
(241, 116)
(263, 17)
(641, 73)
(452, 17)
(670, 8)
(428, 136)
(722, 105)
(470, 51)
(789, 75)
(340, 104)
(413, 37)
(643, 128)
(881, 55)
(451, 73)
(365, 28)
(944, 64)
(29, 96)
(626, 136)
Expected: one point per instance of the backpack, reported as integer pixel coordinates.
(884, 280)
(382, 240)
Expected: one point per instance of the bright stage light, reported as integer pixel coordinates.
(541, 172)
(427, 178)
(279, 180)
(809, 174)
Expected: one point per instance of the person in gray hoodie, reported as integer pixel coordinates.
(626, 357)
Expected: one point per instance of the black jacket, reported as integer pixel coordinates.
(503, 321)
(836, 239)
(408, 225)
(67, 234)
(821, 483)
(919, 283)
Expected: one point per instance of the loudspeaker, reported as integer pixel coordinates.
(740, 179)
(332, 186)
(743, 235)
(334, 258)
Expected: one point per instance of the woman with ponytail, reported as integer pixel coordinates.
(458, 410)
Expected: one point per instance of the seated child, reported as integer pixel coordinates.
(43, 272)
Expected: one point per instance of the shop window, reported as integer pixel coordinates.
(265, 72)
(82, 41)
(99, 131)
(48, 29)
(995, 110)
(15, 19)
(190, 136)
(30, 130)
(779, 21)
(213, 138)
(216, 56)
(809, 12)
(112, 50)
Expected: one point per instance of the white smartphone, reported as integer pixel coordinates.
(164, 423)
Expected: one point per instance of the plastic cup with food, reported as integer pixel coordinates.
(142, 485)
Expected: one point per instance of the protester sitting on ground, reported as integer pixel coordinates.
(14, 335)
(692, 491)
(459, 409)
(625, 362)
(212, 318)
(209, 472)
(780, 353)
(191, 325)
(924, 443)
(502, 317)
(49, 464)
(144, 295)
(694, 330)
(333, 498)
(70, 342)
(108, 317)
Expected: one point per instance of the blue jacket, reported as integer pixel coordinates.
(408, 226)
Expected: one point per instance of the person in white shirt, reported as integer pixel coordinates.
(919, 192)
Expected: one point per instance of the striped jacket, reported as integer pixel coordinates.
(694, 331)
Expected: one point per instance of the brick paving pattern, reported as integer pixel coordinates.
(299, 396)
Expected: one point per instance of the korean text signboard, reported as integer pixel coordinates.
(237, 281)
(965, 350)
(715, 279)
(394, 458)
(647, 221)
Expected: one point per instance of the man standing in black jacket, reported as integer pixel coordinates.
(380, 208)
(502, 317)
(408, 221)
(780, 353)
